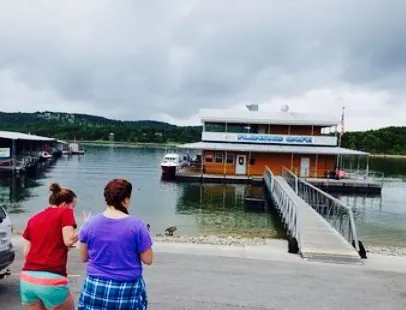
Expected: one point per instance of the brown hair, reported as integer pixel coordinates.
(116, 191)
(60, 195)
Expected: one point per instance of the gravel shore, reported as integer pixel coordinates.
(388, 250)
(244, 241)
(236, 241)
(215, 240)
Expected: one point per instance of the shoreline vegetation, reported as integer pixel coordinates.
(94, 129)
(129, 144)
(226, 241)
(169, 144)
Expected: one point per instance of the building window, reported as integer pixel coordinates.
(218, 157)
(208, 158)
(230, 158)
(215, 127)
(238, 128)
(252, 161)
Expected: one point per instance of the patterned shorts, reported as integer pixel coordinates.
(98, 294)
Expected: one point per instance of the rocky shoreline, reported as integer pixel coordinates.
(241, 241)
(254, 241)
(214, 240)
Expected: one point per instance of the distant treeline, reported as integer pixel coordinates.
(390, 140)
(67, 126)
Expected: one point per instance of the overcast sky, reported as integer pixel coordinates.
(165, 59)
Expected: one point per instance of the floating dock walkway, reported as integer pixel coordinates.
(348, 185)
(364, 186)
(314, 238)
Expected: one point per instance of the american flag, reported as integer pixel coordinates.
(342, 124)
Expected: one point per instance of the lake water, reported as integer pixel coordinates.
(195, 208)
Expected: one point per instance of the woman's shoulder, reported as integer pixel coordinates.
(136, 222)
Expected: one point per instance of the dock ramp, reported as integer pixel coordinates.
(317, 239)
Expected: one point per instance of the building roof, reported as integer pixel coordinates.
(270, 148)
(263, 117)
(22, 136)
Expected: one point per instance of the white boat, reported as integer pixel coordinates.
(170, 163)
(46, 155)
(76, 148)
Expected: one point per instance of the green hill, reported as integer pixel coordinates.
(89, 127)
(390, 140)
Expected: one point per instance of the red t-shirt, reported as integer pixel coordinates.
(48, 252)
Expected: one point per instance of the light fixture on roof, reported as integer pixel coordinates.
(285, 108)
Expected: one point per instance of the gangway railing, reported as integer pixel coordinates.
(336, 213)
(286, 204)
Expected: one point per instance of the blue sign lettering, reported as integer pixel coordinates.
(274, 139)
(299, 140)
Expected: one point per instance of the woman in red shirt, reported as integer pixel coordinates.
(47, 237)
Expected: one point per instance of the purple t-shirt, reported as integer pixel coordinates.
(114, 247)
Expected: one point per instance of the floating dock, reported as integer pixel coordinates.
(329, 185)
(361, 186)
(183, 176)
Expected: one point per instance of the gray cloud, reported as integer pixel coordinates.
(139, 59)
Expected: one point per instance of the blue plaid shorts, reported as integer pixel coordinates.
(98, 294)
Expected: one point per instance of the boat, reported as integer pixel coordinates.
(170, 163)
(45, 156)
(76, 148)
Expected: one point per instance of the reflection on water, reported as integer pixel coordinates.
(381, 220)
(195, 208)
(219, 209)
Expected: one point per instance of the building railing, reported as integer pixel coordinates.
(339, 215)
(359, 175)
(286, 205)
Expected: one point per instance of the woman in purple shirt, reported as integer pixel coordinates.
(115, 244)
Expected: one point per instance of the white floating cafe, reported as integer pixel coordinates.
(244, 142)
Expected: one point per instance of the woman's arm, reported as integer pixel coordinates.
(147, 256)
(26, 247)
(70, 236)
(83, 252)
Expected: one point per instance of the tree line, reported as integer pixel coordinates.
(82, 127)
(66, 126)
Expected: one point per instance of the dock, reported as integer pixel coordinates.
(312, 236)
(184, 175)
(364, 186)
(360, 186)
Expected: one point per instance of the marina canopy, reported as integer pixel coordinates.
(242, 147)
(23, 136)
(263, 117)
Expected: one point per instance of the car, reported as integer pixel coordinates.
(7, 252)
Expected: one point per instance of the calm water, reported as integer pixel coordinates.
(194, 208)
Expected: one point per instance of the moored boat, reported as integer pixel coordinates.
(170, 163)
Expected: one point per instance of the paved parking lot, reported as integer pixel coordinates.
(184, 281)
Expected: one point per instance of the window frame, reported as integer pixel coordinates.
(215, 157)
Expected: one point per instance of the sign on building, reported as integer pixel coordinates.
(5, 152)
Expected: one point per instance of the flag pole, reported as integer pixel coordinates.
(339, 161)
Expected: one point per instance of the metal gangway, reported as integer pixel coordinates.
(326, 238)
